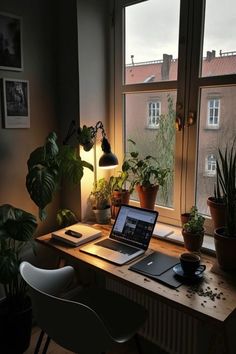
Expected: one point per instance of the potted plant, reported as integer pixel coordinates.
(100, 201)
(145, 175)
(17, 228)
(119, 193)
(217, 205)
(193, 231)
(47, 166)
(225, 236)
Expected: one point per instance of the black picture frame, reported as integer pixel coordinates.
(11, 57)
(16, 107)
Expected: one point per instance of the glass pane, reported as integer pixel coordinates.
(212, 137)
(154, 136)
(219, 55)
(151, 41)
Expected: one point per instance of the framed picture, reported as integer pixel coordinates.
(10, 42)
(16, 110)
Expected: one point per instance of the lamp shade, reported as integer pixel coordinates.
(108, 160)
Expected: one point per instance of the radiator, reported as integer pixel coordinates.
(170, 329)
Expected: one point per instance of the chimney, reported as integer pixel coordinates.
(165, 68)
(211, 55)
(132, 59)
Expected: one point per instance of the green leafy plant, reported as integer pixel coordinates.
(144, 171)
(100, 195)
(17, 228)
(47, 165)
(66, 217)
(118, 183)
(226, 170)
(195, 224)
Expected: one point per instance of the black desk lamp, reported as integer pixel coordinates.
(87, 137)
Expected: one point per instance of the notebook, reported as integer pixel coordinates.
(76, 235)
(129, 237)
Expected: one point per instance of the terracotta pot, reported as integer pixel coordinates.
(193, 242)
(225, 249)
(184, 217)
(118, 198)
(217, 211)
(147, 195)
(103, 216)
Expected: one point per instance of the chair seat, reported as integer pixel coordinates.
(121, 316)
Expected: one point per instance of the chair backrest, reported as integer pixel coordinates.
(72, 325)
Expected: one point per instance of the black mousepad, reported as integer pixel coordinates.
(155, 264)
(159, 267)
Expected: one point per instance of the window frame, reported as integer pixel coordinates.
(213, 125)
(156, 116)
(188, 85)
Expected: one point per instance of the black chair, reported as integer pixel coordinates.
(91, 323)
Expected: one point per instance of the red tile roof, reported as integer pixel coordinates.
(151, 71)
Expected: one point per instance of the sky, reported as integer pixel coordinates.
(152, 28)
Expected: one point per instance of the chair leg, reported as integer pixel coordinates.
(39, 342)
(138, 345)
(46, 345)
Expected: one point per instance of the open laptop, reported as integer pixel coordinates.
(129, 237)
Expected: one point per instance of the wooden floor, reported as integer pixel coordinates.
(128, 348)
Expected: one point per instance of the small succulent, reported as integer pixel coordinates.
(195, 223)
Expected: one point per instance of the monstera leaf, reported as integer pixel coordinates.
(41, 183)
(17, 228)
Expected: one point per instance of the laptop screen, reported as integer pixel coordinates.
(134, 226)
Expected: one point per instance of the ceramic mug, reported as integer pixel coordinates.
(190, 263)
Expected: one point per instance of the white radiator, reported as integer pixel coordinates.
(170, 329)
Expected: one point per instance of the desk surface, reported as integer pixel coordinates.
(214, 299)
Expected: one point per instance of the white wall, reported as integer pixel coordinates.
(94, 23)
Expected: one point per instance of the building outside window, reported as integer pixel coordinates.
(213, 115)
(210, 165)
(154, 112)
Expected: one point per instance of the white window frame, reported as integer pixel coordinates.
(213, 113)
(210, 165)
(189, 85)
(154, 114)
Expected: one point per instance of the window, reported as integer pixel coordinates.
(154, 112)
(189, 63)
(213, 114)
(210, 168)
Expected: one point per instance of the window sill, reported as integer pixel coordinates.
(173, 234)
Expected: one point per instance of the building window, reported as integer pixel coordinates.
(154, 112)
(213, 115)
(210, 166)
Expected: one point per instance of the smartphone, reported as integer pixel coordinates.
(73, 233)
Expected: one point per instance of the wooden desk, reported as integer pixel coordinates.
(213, 307)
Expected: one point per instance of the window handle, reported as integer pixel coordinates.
(190, 119)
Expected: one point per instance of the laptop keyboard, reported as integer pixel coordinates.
(118, 247)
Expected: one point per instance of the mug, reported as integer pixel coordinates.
(190, 263)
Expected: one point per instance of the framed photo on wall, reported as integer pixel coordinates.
(16, 109)
(11, 57)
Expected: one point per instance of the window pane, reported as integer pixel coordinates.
(211, 138)
(151, 41)
(153, 137)
(219, 55)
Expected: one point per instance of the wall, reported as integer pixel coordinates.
(93, 38)
(16, 144)
(68, 76)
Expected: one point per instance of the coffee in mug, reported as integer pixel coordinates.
(190, 262)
